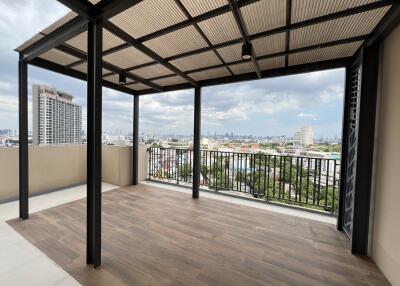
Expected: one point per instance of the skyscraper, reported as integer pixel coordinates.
(56, 119)
(304, 136)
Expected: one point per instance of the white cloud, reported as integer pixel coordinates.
(312, 116)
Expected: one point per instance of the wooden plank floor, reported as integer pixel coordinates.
(153, 236)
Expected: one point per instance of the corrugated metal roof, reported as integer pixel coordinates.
(241, 68)
(335, 52)
(264, 15)
(170, 81)
(126, 58)
(198, 7)
(346, 27)
(183, 40)
(211, 73)
(58, 57)
(307, 9)
(152, 71)
(220, 29)
(187, 50)
(148, 16)
(196, 61)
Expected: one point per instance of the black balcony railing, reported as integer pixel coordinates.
(301, 181)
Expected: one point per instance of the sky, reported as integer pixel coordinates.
(269, 107)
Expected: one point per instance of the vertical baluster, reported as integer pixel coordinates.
(297, 180)
(273, 182)
(308, 179)
(327, 183)
(259, 175)
(223, 182)
(268, 175)
(215, 171)
(280, 177)
(229, 168)
(290, 178)
(265, 175)
(241, 172)
(245, 173)
(283, 177)
(301, 179)
(319, 181)
(253, 171)
(315, 180)
(334, 187)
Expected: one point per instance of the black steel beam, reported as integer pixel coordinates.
(288, 22)
(106, 9)
(196, 143)
(243, 32)
(370, 61)
(82, 7)
(278, 54)
(200, 31)
(325, 18)
(285, 71)
(135, 147)
(197, 19)
(139, 46)
(83, 56)
(390, 21)
(55, 38)
(41, 63)
(94, 114)
(23, 139)
(284, 29)
(101, 11)
(345, 138)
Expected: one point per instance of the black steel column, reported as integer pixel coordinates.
(135, 147)
(196, 142)
(94, 112)
(365, 148)
(343, 159)
(23, 139)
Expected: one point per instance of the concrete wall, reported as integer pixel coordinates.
(57, 167)
(386, 224)
(117, 165)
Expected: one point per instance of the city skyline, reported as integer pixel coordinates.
(268, 107)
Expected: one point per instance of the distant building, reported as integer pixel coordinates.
(304, 136)
(56, 119)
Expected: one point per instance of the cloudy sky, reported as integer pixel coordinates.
(265, 107)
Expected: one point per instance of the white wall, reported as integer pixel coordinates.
(386, 225)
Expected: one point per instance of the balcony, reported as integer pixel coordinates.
(306, 182)
(153, 236)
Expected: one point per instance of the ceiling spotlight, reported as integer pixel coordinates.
(246, 51)
(122, 79)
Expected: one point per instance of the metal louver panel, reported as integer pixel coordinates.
(354, 104)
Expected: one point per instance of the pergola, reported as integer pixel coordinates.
(151, 46)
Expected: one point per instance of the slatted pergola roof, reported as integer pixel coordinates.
(163, 45)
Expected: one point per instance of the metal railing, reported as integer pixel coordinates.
(302, 181)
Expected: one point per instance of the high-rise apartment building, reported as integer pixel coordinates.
(304, 136)
(56, 119)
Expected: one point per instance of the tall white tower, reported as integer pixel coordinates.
(56, 119)
(305, 136)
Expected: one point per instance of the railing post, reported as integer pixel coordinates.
(135, 147)
(94, 113)
(23, 140)
(196, 142)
